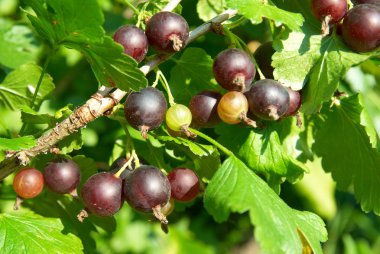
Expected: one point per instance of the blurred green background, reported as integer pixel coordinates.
(192, 230)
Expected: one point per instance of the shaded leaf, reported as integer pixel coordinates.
(343, 142)
(18, 86)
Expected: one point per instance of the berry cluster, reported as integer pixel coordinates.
(60, 176)
(361, 24)
(146, 188)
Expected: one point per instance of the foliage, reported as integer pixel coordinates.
(247, 174)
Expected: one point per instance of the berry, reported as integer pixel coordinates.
(145, 110)
(167, 32)
(102, 194)
(233, 108)
(147, 188)
(184, 184)
(28, 183)
(203, 107)
(263, 57)
(134, 41)
(294, 103)
(62, 176)
(268, 99)
(178, 117)
(336, 9)
(361, 27)
(234, 70)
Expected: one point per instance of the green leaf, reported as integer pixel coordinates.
(196, 148)
(29, 116)
(18, 86)
(191, 74)
(261, 150)
(17, 44)
(34, 234)
(235, 188)
(207, 9)
(78, 25)
(112, 67)
(256, 10)
(17, 144)
(343, 142)
(68, 21)
(305, 57)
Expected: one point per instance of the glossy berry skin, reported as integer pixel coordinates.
(268, 99)
(335, 8)
(263, 57)
(294, 102)
(184, 184)
(234, 70)
(102, 194)
(361, 28)
(232, 107)
(178, 116)
(204, 108)
(28, 183)
(134, 41)
(146, 188)
(62, 176)
(145, 110)
(167, 32)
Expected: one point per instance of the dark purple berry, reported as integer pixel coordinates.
(204, 108)
(102, 194)
(263, 57)
(294, 103)
(167, 32)
(134, 41)
(145, 110)
(234, 70)
(336, 9)
(62, 176)
(361, 28)
(184, 184)
(146, 188)
(268, 99)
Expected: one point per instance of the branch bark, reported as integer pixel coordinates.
(98, 105)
